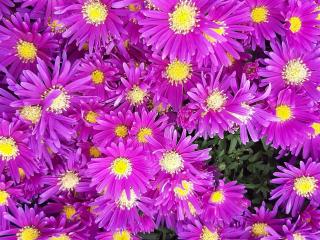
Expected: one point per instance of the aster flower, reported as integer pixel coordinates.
(183, 119)
(294, 231)
(67, 177)
(288, 67)
(260, 222)
(308, 147)
(266, 19)
(311, 217)
(215, 108)
(177, 29)
(26, 224)
(134, 90)
(51, 96)
(174, 78)
(232, 18)
(120, 234)
(102, 73)
(224, 203)
(113, 127)
(124, 167)
(294, 113)
(198, 231)
(22, 42)
(124, 211)
(5, 6)
(296, 186)
(301, 25)
(14, 150)
(92, 22)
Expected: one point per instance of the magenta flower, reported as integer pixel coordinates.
(22, 42)
(266, 19)
(296, 186)
(294, 113)
(301, 25)
(92, 22)
(224, 203)
(124, 167)
(286, 67)
(15, 152)
(113, 127)
(177, 29)
(215, 107)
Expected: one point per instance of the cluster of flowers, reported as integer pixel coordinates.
(101, 102)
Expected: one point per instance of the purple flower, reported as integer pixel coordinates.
(266, 19)
(5, 6)
(224, 203)
(289, 67)
(125, 167)
(22, 42)
(296, 186)
(92, 22)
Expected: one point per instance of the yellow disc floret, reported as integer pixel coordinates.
(8, 148)
(28, 233)
(121, 131)
(259, 229)
(178, 72)
(26, 51)
(217, 197)
(69, 180)
(70, 211)
(121, 235)
(136, 95)
(31, 113)
(259, 14)
(94, 12)
(206, 234)
(184, 18)
(60, 237)
(125, 202)
(97, 77)
(143, 134)
(305, 186)
(295, 24)
(121, 167)
(4, 196)
(91, 117)
(295, 72)
(283, 113)
(316, 128)
(171, 162)
(185, 190)
(216, 100)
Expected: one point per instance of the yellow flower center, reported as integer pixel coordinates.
(4, 197)
(134, 7)
(295, 72)
(208, 235)
(31, 113)
(283, 112)
(91, 117)
(94, 12)
(216, 100)
(94, 152)
(69, 180)
(178, 72)
(56, 26)
(295, 24)
(184, 18)
(124, 202)
(61, 102)
(217, 197)
(316, 128)
(26, 51)
(121, 131)
(184, 191)
(136, 96)
(69, 211)
(121, 167)
(22, 174)
(97, 77)
(60, 237)
(305, 186)
(143, 133)
(220, 30)
(171, 162)
(259, 14)
(28, 233)
(8, 148)
(259, 230)
(298, 236)
(121, 235)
